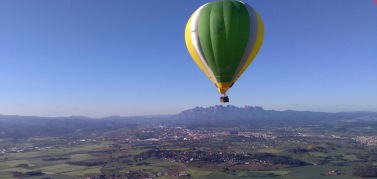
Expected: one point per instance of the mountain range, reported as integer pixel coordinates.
(228, 112)
(255, 112)
(213, 116)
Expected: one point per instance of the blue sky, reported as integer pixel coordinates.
(100, 58)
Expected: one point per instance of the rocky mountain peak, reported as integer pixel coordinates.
(220, 111)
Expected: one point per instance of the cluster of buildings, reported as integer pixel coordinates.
(165, 133)
(25, 149)
(366, 140)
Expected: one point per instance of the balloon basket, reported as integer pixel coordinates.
(224, 99)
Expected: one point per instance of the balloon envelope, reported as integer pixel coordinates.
(223, 37)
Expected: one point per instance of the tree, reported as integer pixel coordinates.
(365, 171)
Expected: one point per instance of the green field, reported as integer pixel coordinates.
(36, 161)
(288, 154)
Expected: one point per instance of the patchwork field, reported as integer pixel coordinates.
(325, 150)
(54, 162)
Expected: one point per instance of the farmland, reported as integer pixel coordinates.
(165, 149)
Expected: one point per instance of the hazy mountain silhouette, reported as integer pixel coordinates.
(233, 112)
(232, 116)
(27, 126)
(199, 117)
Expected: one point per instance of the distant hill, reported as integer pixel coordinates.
(233, 112)
(198, 117)
(228, 111)
(232, 115)
(26, 126)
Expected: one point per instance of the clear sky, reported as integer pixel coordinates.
(99, 58)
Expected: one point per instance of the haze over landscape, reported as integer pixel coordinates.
(97, 59)
(214, 142)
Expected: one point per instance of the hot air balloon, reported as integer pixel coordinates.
(223, 37)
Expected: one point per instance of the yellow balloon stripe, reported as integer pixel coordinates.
(192, 50)
(223, 87)
(257, 46)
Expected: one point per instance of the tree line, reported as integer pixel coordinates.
(190, 156)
